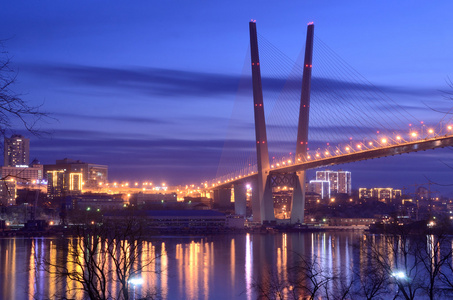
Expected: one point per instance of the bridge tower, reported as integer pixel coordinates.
(262, 202)
(298, 201)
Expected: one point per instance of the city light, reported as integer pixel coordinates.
(399, 275)
(136, 281)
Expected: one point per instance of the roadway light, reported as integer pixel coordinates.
(136, 281)
(413, 134)
(430, 131)
(384, 141)
(347, 148)
(317, 154)
(398, 138)
(370, 143)
(449, 127)
(326, 153)
(400, 275)
(359, 146)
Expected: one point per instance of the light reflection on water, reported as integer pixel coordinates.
(217, 267)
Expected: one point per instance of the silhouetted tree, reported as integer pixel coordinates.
(12, 106)
(413, 259)
(307, 279)
(101, 256)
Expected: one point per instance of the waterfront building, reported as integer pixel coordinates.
(340, 181)
(16, 151)
(24, 175)
(351, 221)
(144, 198)
(68, 177)
(382, 194)
(171, 220)
(98, 202)
(7, 192)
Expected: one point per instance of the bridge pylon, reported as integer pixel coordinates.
(262, 203)
(298, 200)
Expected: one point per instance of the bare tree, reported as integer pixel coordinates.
(310, 277)
(371, 283)
(12, 106)
(306, 280)
(102, 259)
(415, 259)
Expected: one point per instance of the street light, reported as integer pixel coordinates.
(135, 281)
(399, 275)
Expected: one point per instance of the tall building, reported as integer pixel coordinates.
(340, 181)
(68, 177)
(321, 187)
(381, 194)
(17, 151)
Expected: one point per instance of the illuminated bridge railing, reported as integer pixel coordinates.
(333, 155)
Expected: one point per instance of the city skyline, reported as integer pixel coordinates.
(149, 90)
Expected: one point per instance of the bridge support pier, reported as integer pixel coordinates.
(298, 200)
(267, 205)
(240, 199)
(222, 197)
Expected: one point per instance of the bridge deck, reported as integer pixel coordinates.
(353, 156)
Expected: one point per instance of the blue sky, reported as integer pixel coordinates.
(149, 87)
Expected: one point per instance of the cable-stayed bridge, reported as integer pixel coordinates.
(359, 121)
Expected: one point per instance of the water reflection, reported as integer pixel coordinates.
(248, 266)
(217, 267)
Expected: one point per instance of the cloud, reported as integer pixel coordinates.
(179, 83)
(113, 118)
